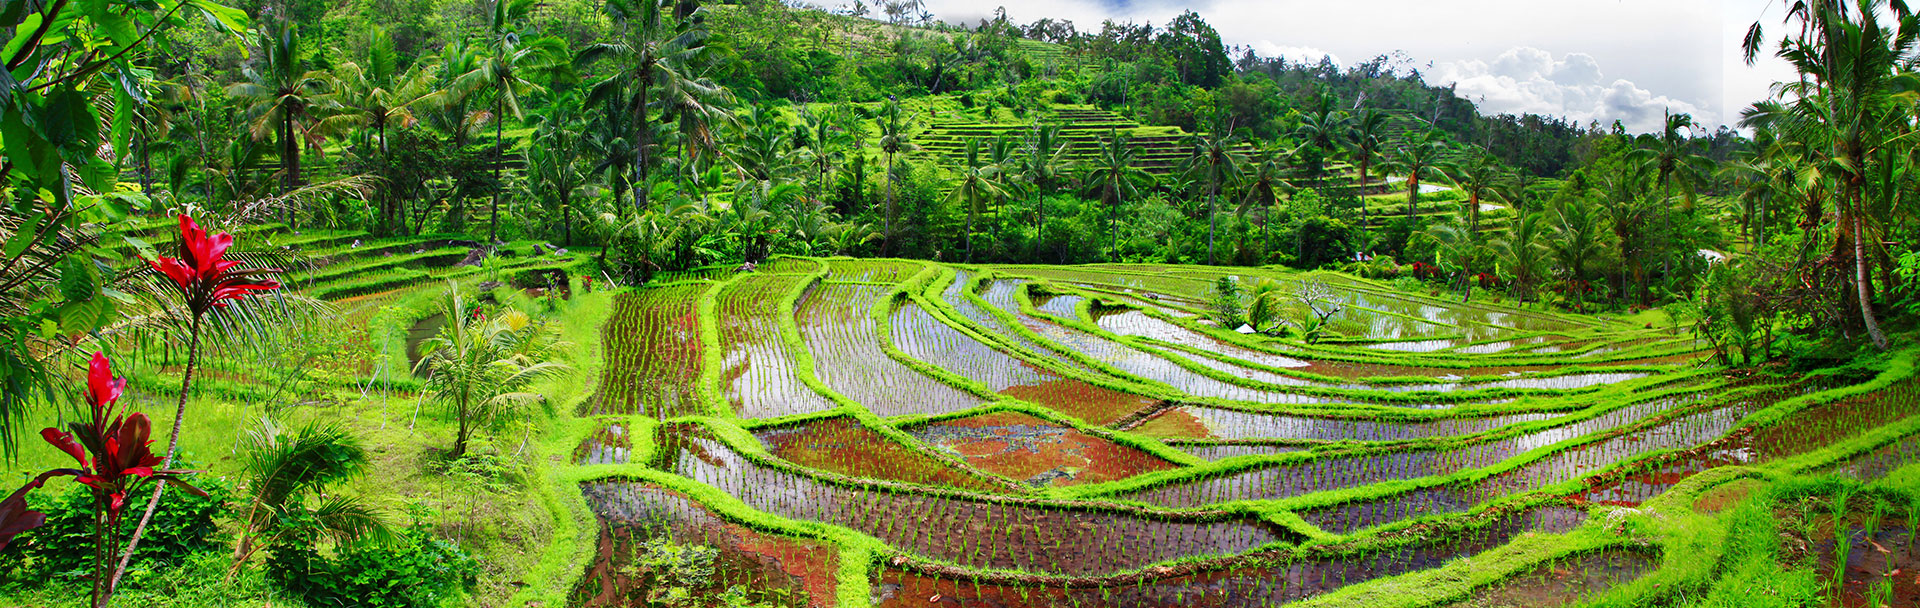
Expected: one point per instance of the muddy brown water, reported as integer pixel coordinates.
(1291, 579)
(1037, 452)
(608, 444)
(843, 445)
(1200, 422)
(971, 532)
(771, 569)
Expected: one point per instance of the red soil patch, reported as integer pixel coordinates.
(843, 445)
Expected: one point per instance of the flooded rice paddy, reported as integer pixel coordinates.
(1088, 436)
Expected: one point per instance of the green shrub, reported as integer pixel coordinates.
(415, 570)
(63, 548)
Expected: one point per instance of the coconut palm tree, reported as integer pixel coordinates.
(980, 182)
(1481, 178)
(1043, 164)
(1419, 157)
(1113, 174)
(1216, 157)
(1323, 130)
(478, 366)
(895, 139)
(656, 47)
(1524, 251)
(285, 476)
(377, 96)
(511, 69)
(1265, 182)
(1576, 241)
(1367, 144)
(285, 101)
(557, 163)
(1849, 112)
(1676, 159)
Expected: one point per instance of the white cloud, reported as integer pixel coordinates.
(1296, 54)
(1526, 79)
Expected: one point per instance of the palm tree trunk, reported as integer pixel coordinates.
(970, 216)
(1362, 192)
(640, 149)
(1860, 284)
(886, 230)
(1213, 215)
(1413, 195)
(499, 167)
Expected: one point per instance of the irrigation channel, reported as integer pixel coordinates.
(898, 433)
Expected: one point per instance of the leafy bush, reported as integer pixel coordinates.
(415, 570)
(63, 548)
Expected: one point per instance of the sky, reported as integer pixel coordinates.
(1588, 60)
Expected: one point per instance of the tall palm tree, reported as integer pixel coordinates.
(377, 96)
(656, 47)
(1674, 156)
(1457, 248)
(895, 139)
(828, 141)
(1216, 156)
(511, 69)
(557, 162)
(1577, 240)
(1113, 174)
(979, 182)
(1524, 251)
(1482, 179)
(1043, 163)
(1366, 146)
(286, 478)
(285, 101)
(1419, 157)
(1265, 182)
(1849, 112)
(1323, 129)
(1631, 213)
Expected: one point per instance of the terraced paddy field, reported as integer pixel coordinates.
(899, 433)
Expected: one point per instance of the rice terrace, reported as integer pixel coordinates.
(917, 303)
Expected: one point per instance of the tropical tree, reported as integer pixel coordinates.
(1456, 247)
(285, 101)
(511, 69)
(1576, 241)
(1265, 181)
(1044, 163)
(558, 166)
(1674, 157)
(1849, 112)
(1419, 157)
(478, 366)
(895, 139)
(286, 477)
(1525, 252)
(1216, 157)
(375, 97)
(1481, 178)
(1113, 174)
(658, 46)
(979, 182)
(1323, 130)
(1367, 144)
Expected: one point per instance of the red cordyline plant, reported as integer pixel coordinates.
(111, 449)
(206, 280)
